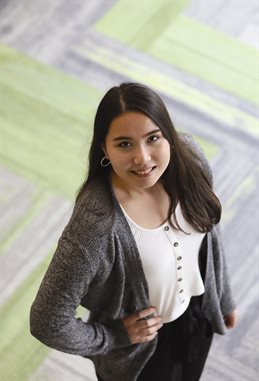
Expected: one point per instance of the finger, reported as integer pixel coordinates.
(150, 330)
(148, 322)
(143, 314)
(138, 316)
(145, 339)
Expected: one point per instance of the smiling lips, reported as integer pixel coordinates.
(144, 172)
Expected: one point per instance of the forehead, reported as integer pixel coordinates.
(131, 123)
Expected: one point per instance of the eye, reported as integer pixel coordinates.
(153, 138)
(124, 145)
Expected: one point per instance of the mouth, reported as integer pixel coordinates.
(144, 172)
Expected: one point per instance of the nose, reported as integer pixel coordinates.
(141, 155)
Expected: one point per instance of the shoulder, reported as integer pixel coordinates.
(190, 141)
(196, 149)
(96, 198)
(93, 214)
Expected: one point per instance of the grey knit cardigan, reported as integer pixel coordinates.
(97, 265)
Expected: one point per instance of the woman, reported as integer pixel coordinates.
(142, 251)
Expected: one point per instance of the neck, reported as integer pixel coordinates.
(123, 190)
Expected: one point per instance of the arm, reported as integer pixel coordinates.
(52, 318)
(227, 303)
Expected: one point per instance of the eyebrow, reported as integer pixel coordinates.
(144, 136)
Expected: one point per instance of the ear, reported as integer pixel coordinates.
(103, 147)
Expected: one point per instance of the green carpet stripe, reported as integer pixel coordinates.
(144, 22)
(38, 202)
(47, 118)
(185, 43)
(20, 353)
(210, 55)
(65, 93)
(49, 162)
(214, 45)
(173, 88)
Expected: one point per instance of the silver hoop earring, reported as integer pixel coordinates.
(103, 164)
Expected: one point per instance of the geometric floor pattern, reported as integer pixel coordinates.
(57, 59)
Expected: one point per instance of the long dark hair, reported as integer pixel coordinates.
(185, 180)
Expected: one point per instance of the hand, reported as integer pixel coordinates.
(141, 328)
(231, 319)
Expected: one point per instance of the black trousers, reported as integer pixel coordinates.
(182, 348)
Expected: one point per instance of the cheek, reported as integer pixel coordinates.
(165, 152)
(119, 161)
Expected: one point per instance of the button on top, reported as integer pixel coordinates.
(176, 244)
(166, 228)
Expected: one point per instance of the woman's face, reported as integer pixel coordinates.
(138, 152)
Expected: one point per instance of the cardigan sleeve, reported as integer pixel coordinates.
(52, 316)
(227, 303)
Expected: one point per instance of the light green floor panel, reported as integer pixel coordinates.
(210, 55)
(145, 20)
(39, 200)
(47, 118)
(52, 87)
(185, 43)
(20, 353)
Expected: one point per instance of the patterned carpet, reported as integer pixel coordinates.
(57, 58)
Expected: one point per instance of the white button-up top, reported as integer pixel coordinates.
(170, 263)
